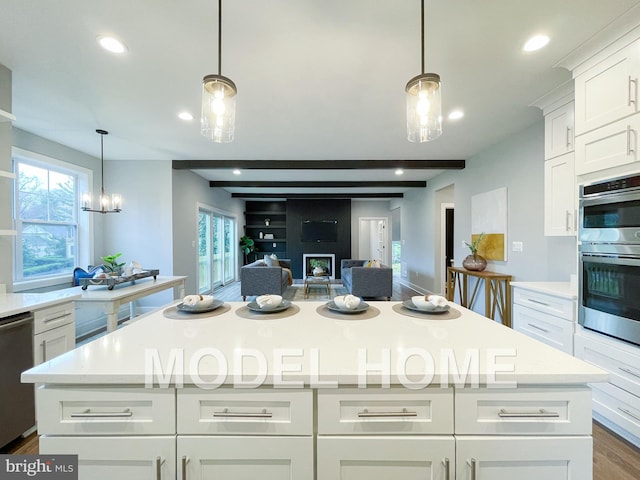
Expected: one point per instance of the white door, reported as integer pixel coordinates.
(522, 458)
(373, 239)
(245, 458)
(54, 342)
(384, 458)
(121, 458)
(560, 196)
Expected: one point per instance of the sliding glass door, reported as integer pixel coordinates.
(217, 252)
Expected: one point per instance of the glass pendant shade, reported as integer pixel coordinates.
(424, 108)
(218, 108)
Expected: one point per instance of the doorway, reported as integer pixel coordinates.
(217, 251)
(446, 243)
(373, 239)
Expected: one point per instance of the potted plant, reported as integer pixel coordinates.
(111, 265)
(318, 266)
(247, 245)
(475, 262)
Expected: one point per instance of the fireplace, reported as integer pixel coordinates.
(326, 261)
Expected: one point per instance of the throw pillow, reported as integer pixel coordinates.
(271, 260)
(367, 264)
(375, 264)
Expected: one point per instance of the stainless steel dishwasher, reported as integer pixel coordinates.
(17, 409)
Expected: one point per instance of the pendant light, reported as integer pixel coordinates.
(107, 204)
(424, 102)
(218, 99)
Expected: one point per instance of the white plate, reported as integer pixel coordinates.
(196, 309)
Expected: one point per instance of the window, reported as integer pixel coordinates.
(52, 238)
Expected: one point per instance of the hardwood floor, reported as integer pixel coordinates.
(613, 457)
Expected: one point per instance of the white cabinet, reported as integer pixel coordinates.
(386, 457)
(558, 131)
(608, 90)
(245, 457)
(616, 403)
(521, 458)
(545, 317)
(54, 331)
(108, 458)
(560, 196)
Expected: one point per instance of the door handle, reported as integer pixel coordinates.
(404, 413)
(472, 463)
(159, 462)
(446, 468)
(185, 459)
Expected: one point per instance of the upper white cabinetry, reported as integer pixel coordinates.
(558, 131)
(608, 91)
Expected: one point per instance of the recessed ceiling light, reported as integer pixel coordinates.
(185, 116)
(535, 43)
(237, 172)
(456, 115)
(111, 44)
(399, 171)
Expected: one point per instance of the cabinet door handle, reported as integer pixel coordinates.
(44, 350)
(541, 413)
(185, 460)
(404, 413)
(159, 462)
(533, 300)
(226, 413)
(446, 468)
(538, 328)
(568, 136)
(629, 371)
(630, 99)
(568, 221)
(624, 410)
(629, 149)
(472, 463)
(89, 414)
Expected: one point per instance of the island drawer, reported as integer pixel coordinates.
(385, 411)
(105, 410)
(256, 412)
(523, 411)
(543, 302)
(52, 317)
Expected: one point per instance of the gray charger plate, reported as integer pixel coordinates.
(335, 308)
(254, 307)
(209, 308)
(412, 306)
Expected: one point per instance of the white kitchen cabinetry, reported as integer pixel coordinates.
(616, 403)
(560, 196)
(54, 332)
(558, 131)
(607, 90)
(546, 317)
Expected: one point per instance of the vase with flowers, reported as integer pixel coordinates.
(475, 262)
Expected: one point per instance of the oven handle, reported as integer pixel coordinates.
(613, 258)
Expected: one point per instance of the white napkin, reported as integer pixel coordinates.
(197, 300)
(437, 300)
(351, 302)
(268, 301)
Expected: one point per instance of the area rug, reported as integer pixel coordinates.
(295, 293)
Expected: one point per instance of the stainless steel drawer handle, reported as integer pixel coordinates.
(404, 413)
(533, 300)
(56, 317)
(159, 462)
(629, 371)
(538, 328)
(541, 413)
(89, 414)
(631, 414)
(227, 413)
(445, 462)
(185, 460)
(472, 463)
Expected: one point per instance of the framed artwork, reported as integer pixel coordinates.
(489, 216)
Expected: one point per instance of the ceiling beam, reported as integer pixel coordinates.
(317, 164)
(316, 195)
(318, 184)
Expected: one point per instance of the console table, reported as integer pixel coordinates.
(497, 291)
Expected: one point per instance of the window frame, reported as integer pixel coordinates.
(84, 232)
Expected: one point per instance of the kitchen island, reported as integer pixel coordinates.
(311, 394)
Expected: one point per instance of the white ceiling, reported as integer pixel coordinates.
(317, 79)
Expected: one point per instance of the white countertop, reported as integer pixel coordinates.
(559, 289)
(14, 303)
(314, 349)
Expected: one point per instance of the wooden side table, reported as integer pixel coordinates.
(497, 291)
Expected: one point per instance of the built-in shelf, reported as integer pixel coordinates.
(8, 233)
(7, 174)
(7, 117)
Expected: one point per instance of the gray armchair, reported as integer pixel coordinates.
(366, 281)
(259, 279)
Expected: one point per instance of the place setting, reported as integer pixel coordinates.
(196, 306)
(268, 307)
(347, 307)
(432, 307)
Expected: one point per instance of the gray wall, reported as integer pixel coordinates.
(190, 189)
(6, 222)
(516, 163)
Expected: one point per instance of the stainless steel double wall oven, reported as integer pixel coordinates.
(609, 267)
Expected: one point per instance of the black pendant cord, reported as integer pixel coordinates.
(422, 30)
(101, 166)
(219, 37)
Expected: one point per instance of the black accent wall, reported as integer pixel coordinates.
(326, 209)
